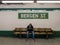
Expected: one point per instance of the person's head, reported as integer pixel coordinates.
(30, 24)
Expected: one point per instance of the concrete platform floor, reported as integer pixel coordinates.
(16, 41)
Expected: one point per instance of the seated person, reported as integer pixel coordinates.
(30, 30)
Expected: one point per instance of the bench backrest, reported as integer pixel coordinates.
(35, 29)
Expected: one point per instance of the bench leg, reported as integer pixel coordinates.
(18, 35)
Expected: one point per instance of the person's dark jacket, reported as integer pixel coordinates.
(30, 28)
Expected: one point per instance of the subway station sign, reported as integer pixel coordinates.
(33, 15)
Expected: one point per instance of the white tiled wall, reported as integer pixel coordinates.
(9, 20)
